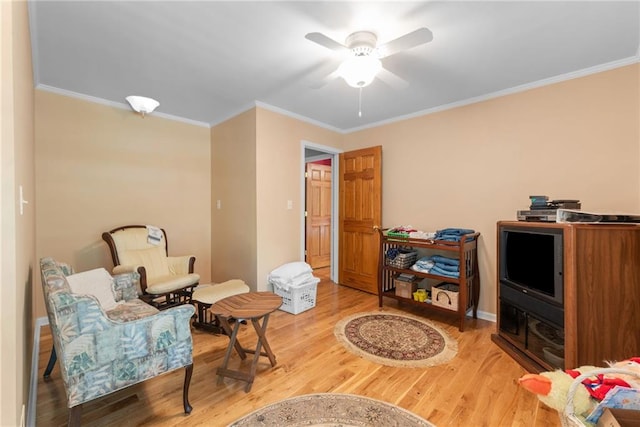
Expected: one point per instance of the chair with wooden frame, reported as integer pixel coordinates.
(165, 281)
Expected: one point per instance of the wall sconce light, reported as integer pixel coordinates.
(141, 104)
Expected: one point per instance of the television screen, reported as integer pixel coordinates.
(530, 260)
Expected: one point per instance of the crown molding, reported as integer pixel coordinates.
(540, 83)
(114, 104)
(298, 117)
(533, 85)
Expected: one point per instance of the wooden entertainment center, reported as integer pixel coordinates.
(598, 316)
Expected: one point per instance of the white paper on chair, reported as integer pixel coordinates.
(154, 235)
(98, 283)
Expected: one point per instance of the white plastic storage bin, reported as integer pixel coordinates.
(297, 299)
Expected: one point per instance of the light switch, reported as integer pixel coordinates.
(22, 201)
(218, 204)
(289, 204)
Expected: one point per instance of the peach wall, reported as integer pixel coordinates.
(474, 165)
(233, 183)
(17, 232)
(279, 173)
(100, 167)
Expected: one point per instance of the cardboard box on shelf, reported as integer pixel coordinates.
(405, 289)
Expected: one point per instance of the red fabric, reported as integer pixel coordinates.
(322, 162)
(600, 386)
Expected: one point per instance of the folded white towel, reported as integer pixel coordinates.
(154, 235)
(289, 282)
(291, 270)
(425, 235)
(304, 281)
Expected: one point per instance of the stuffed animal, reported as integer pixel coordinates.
(552, 387)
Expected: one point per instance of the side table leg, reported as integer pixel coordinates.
(262, 341)
(232, 343)
(262, 336)
(224, 323)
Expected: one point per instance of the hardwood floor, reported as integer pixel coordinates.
(477, 388)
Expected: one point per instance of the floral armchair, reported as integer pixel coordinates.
(103, 351)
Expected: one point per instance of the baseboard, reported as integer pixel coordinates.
(33, 380)
(487, 316)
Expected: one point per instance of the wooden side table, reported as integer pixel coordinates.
(254, 306)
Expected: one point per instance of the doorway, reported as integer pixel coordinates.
(323, 227)
(318, 213)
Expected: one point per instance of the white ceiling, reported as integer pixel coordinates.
(207, 61)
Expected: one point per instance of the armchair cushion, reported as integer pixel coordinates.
(179, 265)
(153, 259)
(126, 287)
(164, 284)
(97, 282)
(131, 310)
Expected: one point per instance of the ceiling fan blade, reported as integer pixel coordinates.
(326, 80)
(325, 41)
(409, 40)
(392, 79)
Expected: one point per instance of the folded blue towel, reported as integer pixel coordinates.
(455, 231)
(452, 234)
(440, 272)
(425, 263)
(439, 259)
(452, 268)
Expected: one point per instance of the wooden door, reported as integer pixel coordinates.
(360, 213)
(318, 209)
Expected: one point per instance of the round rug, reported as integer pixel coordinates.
(331, 409)
(399, 340)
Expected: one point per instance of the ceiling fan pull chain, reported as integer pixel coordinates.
(360, 103)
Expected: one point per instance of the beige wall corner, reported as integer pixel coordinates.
(256, 170)
(233, 199)
(279, 179)
(100, 167)
(17, 233)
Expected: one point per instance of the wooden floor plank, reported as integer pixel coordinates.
(476, 388)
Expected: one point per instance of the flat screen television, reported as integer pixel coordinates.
(531, 261)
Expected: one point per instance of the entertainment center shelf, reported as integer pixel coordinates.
(468, 281)
(582, 307)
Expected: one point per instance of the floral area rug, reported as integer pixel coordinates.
(399, 340)
(331, 409)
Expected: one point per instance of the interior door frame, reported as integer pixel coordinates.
(334, 153)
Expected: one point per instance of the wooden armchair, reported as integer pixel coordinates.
(165, 281)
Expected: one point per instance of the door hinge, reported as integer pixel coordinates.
(305, 214)
(306, 174)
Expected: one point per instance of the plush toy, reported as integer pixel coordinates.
(552, 387)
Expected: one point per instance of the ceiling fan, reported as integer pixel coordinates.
(363, 63)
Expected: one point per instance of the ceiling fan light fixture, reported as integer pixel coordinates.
(359, 71)
(142, 104)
